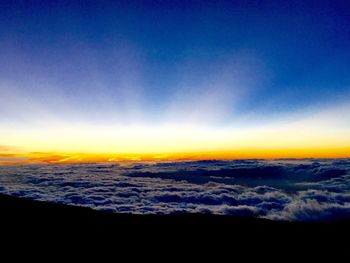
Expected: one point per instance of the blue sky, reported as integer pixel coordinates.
(218, 63)
(296, 51)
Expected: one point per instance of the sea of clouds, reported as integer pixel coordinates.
(296, 190)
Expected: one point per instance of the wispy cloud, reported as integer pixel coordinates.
(9, 155)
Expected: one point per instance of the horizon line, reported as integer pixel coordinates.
(76, 157)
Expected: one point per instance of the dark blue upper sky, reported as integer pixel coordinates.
(144, 58)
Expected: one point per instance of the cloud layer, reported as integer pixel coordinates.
(296, 190)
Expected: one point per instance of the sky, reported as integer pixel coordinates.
(154, 80)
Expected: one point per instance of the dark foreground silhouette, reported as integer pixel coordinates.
(20, 214)
(35, 225)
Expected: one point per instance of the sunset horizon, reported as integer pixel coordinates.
(76, 157)
(231, 81)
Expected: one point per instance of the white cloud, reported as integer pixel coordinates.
(298, 191)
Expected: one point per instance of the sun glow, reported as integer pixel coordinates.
(171, 142)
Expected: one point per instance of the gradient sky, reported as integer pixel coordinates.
(224, 79)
